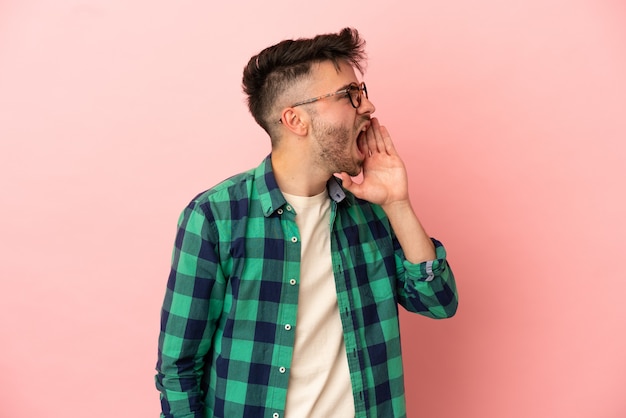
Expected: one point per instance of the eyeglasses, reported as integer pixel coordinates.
(354, 91)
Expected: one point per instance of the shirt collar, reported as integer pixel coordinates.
(271, 197)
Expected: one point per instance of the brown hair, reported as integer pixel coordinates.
(271, 72)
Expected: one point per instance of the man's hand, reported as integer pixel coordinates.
(385, 183)
(384, 175)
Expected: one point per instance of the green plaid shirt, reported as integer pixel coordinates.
(224, 349)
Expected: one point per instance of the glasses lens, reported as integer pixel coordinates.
(355, 95)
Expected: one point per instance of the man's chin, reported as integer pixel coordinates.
(356, 170)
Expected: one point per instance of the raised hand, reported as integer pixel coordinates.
(385, 183)
(384, 174)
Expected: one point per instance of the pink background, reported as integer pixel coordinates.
(511, 117)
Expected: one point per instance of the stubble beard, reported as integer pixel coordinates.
(335, 144)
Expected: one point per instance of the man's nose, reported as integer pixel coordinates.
(366, 107)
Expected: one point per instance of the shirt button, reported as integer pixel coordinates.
(294, 239)
(275, 415)
(288, 208)
(292, 282)
(280, 211)
(288, 327)
(282, 369)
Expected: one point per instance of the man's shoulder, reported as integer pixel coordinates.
(232, 188)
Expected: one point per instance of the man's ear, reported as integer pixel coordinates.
(296, 120)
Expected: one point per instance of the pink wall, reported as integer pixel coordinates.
(510, 115)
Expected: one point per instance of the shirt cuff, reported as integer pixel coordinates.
(428, 270)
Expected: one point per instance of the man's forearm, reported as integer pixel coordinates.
(416, 244)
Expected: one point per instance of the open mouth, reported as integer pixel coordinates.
(360, 139)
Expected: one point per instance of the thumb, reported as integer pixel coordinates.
(349, 184)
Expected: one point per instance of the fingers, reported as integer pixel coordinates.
(378, 138)
(389, 148)
(374, 137)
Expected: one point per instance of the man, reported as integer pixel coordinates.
(283, 296)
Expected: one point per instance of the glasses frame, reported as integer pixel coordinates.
(360, 87)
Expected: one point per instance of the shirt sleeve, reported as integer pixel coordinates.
(427, 288)
(192, 305)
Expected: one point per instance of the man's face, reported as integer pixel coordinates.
(336, 126)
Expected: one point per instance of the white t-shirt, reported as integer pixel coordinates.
(319, 378)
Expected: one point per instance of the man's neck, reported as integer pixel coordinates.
(297, 176)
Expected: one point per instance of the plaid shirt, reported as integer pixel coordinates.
(229, 315)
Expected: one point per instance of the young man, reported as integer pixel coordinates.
(283, 296)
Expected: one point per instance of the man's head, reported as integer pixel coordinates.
(273, 77)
